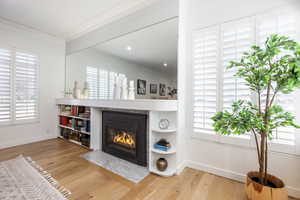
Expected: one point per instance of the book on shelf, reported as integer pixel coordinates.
(161, 147)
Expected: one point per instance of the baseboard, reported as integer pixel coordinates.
(12, 143)
(293, 192)
(181, 167)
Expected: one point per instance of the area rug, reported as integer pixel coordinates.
(22, 179)
(128, 170)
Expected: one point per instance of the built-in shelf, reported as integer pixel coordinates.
(164, 130)
(75, 117)
(170, 151)
(68, 127)
(168, 172)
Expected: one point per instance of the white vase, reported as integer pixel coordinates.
(76, 91)
(124, 91)
(85, 91)
(117, 88)
(131, 92)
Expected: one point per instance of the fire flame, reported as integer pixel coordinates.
(124, 138)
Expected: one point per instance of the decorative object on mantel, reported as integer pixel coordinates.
(76, 91)
(131, 92)
(162, 89)
(85, 91)
(162, 145)
(124, 90)
(141, 87)
(117, 88)
(172, 92)
(153, 88)
(164, 124)
(267, 71)
(162, 164)
(23, 174)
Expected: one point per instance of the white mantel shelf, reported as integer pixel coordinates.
(138, 104)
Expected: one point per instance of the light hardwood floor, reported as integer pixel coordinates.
(88, 181)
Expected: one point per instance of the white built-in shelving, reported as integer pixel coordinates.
(156, 109)
(169, 134)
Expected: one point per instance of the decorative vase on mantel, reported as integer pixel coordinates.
(124, 89)
(76, 91)
(85, 91)
(131, 92)
(117, 88)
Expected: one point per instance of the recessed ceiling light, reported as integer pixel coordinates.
(165, 64)
(128, 48)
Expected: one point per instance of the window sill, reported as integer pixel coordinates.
(19, 123)
(246, 142)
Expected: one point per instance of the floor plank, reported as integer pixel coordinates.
(88, 181)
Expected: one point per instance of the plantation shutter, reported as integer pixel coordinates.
(112, 76)
(205, 56)
(103, 84)
(237, 37)
(26, 86)
(5, 85)
(92, 80)
(283, 23)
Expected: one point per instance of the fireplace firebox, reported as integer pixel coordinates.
(125, 135)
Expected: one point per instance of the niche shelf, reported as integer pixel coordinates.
(75, 124)
(157, 134)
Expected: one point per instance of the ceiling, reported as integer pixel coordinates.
(67, 19)
(150, 47)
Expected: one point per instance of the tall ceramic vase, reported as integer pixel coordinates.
(124, 90)
(117, 88)
(131, 93)
(76, 91)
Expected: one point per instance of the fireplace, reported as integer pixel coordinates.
(125, 135)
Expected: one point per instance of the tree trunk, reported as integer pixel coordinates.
(262, 159)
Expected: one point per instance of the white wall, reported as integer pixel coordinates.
(222, 159)
(77, 63)
(51, 52)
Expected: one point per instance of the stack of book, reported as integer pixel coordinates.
(162, 145)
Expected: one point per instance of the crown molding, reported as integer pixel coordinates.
(103, 19)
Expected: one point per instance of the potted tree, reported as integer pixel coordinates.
(268, 70)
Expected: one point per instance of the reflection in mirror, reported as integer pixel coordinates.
(145, 59)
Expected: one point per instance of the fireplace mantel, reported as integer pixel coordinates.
(138, 104)
(155, 111)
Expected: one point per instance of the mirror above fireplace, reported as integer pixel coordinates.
(147, 56)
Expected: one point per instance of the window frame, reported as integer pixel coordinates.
(246, 142)
(13, 121)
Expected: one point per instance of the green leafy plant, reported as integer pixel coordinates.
(268, 70)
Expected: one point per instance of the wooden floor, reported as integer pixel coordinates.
(88, 181)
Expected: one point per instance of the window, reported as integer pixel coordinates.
(205, 76)
(101, 82)
(5, 85)
(215, 88)
(18, 86)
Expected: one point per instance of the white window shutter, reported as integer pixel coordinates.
(283, 22)
(237, 37)
(103, 84)
(26, 86)
(5, 85)
(112, 77)
(205, 64)
(92, 80)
